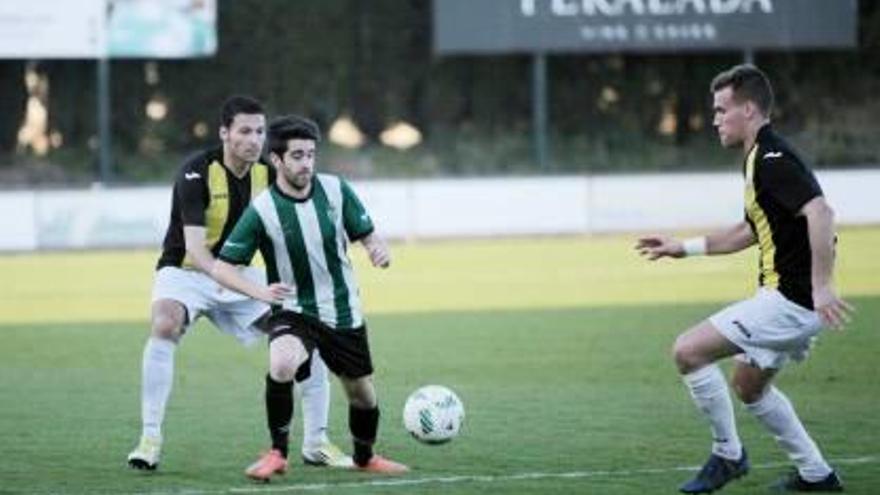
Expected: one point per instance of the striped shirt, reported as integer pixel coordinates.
(305, 244)
(207, 194)
(778, 184)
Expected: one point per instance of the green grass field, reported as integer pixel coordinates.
(559, 348)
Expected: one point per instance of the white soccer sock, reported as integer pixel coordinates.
(709, 390)
(158, 376)
(776, 413)
(315, 404)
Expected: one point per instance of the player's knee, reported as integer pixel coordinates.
(282, 372)
(285, 360)
(167, 327)
(283, 368)
(748, 393)
(685, 356)
(361, 393)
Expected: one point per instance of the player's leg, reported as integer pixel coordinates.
(347, 354)
(772, 409)
(241, 318)
(287, 352)
(167, 322)
(317, 449)
(363, 421)
(695, 353)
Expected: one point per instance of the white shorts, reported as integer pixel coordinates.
(769, 328)
(231, 312)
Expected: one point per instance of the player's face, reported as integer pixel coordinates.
(298, 163)
(730, 117)
(244, 137)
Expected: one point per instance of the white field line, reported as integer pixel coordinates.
(470, 478)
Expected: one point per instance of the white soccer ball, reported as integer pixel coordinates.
(433, 414)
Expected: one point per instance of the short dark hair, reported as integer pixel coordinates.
(239, 104)
(283, 129)
(748, 83)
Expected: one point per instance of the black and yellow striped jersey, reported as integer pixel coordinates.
(777, 186)
(207, 194)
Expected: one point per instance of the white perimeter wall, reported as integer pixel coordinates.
(425, 209)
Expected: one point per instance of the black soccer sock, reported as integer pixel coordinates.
(279, 411)
(363, 423)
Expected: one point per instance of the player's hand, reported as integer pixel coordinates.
(380, 256)
(658, 246)
(377, 250)
(834, 311)
(276, 293)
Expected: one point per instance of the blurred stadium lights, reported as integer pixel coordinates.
(696, 122)
(200, 130)
(344, 132)
(466, 27)
(100, 30)
(33, 132)
(56, 139)
(151, 73)
(401, 135)
(608, 98)
(156, 109)
(668, 120)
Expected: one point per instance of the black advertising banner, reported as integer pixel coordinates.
(527, 26)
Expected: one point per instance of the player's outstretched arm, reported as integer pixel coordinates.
(834, 311)
(729, 240)
(377, 249)
(228, 276)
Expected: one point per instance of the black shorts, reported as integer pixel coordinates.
(346, 352)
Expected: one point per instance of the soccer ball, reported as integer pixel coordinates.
(433, 414)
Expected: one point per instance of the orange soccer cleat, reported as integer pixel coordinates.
(381, 465)
(268, 464)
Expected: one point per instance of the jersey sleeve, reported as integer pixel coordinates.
(192, 191)
(789, 182)
(355, 219)
(244, 240)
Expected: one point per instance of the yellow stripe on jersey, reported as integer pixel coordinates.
(259, 183)
(259, 179)
(218, 204)
(218, 208)
(217, 213)
(756, 214)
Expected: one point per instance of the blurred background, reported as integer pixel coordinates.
(453, 118)
(372, 75)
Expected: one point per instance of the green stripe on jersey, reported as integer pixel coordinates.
(325, 213)
(296, 249)
(335, 190)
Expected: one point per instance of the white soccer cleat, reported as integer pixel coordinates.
(146, 454)
(328, 455)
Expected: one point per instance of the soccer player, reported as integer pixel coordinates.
(211, 192)
(793, 225)
(302, 227)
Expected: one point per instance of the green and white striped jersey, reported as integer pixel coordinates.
(304, 244)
